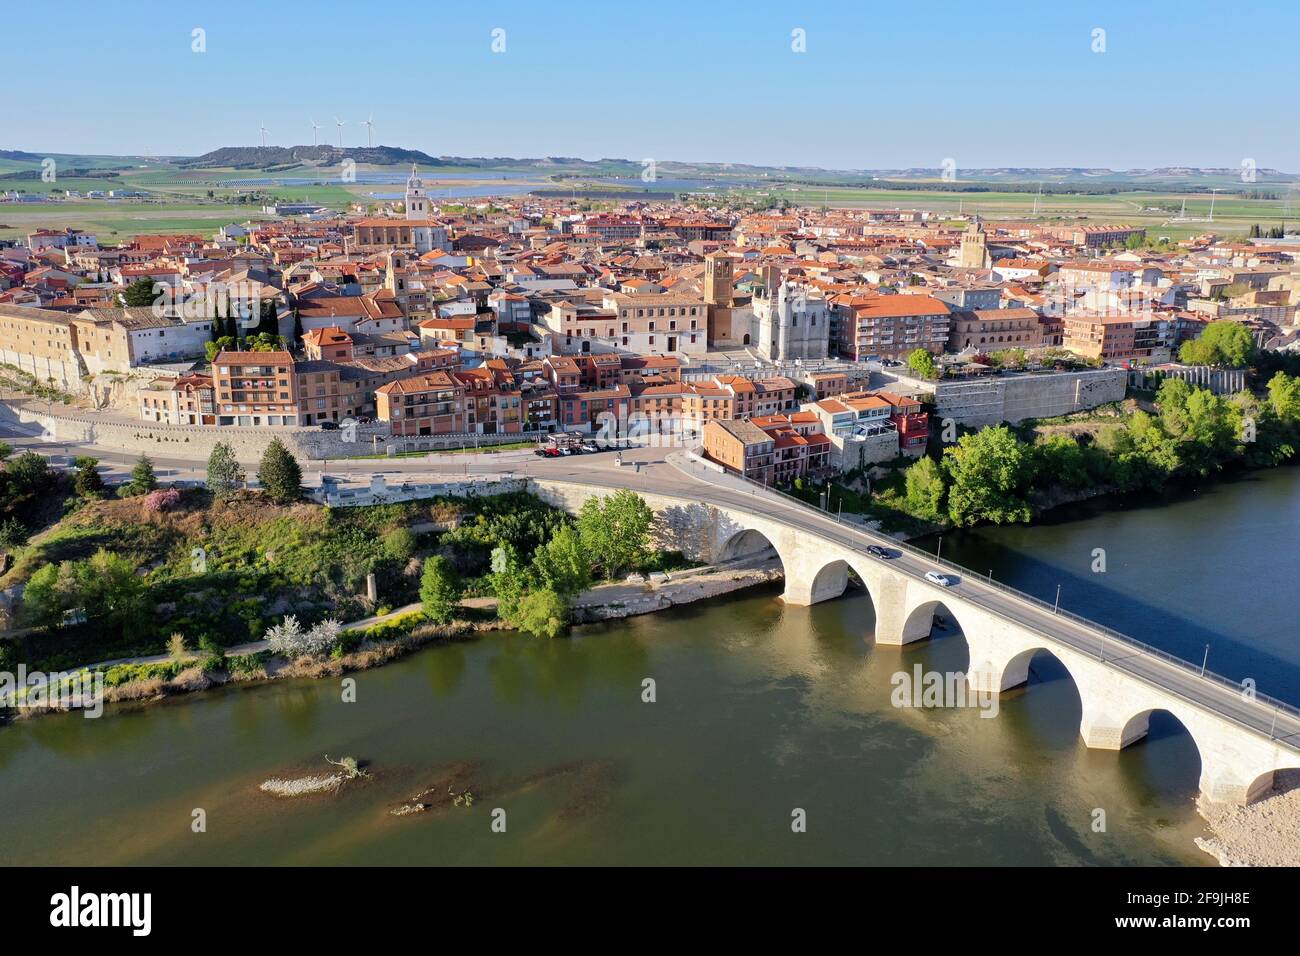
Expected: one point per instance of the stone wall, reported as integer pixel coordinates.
(1013, 397)
(197, 441)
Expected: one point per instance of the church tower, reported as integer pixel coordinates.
(417, 201)
(974, 248)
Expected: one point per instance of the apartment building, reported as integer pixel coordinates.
(431, 404)
(800, 449)
(742, 448)
(889, 326)
(1109, 338)
(185, 400)
(255, 388)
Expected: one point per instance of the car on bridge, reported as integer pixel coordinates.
(941, 579)
(876, 551)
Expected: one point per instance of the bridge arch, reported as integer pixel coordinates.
(920, 622)
(743, 543)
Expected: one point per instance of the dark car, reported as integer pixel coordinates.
(329, 426)
(540, 452)
(876, 551)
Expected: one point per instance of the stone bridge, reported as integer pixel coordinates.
(1242, 739)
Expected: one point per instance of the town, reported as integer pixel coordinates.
(793, 343)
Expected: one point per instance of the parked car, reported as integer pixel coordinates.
(590, 446)
(541, 453)
(943, 580)
(551, 452)
(329, 426)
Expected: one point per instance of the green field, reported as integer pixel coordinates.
(193, 200)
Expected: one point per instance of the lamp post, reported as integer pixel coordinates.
(1056, 607)
(1205, 660)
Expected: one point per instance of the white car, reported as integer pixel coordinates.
(936, 577)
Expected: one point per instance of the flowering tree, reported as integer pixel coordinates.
(288, 639)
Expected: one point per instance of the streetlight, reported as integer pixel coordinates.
(1056, 607)
(1205, 660)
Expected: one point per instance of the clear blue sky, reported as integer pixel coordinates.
(881, 85)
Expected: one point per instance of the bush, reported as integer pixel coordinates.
(164, 499)
(399, 544)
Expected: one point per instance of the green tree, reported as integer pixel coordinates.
(51, 590)
(279, 473)
(507, 580)
(139, 293)
(925, 489)
(922, 363)
(615, 531)
(1284, 397)
(1227, 343)
(143, 480)
(399, 544)
(542, 614)
(13, 534)
(440, 589)
(224, 473)
(988, 473)
(222, 343)
(87, 482)
(6, 450)
(561, 565)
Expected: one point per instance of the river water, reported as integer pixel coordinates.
(760, 712)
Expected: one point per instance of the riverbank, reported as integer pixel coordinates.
(606, 602)
(1265, 833)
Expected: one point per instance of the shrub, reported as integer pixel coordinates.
(164, 499)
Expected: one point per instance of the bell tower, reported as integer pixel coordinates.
(417, 201)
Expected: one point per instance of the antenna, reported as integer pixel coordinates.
(262, 128)
(314, 129)
(370, 129)
(339, 123)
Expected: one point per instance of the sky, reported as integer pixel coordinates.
(876, 85)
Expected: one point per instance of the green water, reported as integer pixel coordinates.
(760, 710)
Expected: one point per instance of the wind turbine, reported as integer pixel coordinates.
(314, 130)
(370, 129)
(339, 123)
(263, 130)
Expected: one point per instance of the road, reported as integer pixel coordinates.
(669, 472)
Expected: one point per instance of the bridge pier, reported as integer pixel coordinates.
(1101, 731)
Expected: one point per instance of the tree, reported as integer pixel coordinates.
(1227, 343)
(562, 565)
(1284, 397)
(279, 473)
(988, 472)
(6, 450)
(922, 363)
(143, 479)
(542, 614)
(139, 293)
(87, 482)
(13, 534)
(507, 581)
(925, 489)
(399, 544)
(440, 589)
(615, 531)
(222, 343)
(224, 474)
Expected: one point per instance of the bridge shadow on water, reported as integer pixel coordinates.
(1089, 597)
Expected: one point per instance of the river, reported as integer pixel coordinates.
(760, 711)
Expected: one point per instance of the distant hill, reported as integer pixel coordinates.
(260, 157)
